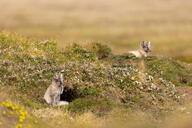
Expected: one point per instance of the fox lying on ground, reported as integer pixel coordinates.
(53, 92)
(143, 51)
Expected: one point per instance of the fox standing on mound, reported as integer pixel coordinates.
(143, 51)
(53, 92)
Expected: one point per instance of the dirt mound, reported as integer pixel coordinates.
(93, 76)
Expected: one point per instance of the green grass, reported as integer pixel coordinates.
(100, 107)
(96, 80)
(170, 70)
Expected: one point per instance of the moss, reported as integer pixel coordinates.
(76, 52)
(101, 50)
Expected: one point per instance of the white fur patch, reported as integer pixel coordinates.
(136, 53)
(62, 103)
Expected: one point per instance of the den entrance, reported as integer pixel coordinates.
(69, 95)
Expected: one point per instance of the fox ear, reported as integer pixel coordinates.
(149, 44)
(142, 44)
(56, 77)
(61, 77)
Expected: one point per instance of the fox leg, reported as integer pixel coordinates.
(54, 100)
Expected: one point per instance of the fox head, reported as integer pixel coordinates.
(58, 79)
(146, 46)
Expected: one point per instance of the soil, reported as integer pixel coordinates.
(186, 91)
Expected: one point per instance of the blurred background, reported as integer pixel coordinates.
(122, 24)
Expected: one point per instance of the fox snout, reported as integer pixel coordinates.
(147, 50)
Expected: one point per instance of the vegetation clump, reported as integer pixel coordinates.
(27, 66)
(17, 115)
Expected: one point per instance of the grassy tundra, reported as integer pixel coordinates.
(122, 24)
(106, 86)
(104, 90)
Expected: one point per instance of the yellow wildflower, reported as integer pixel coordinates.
(22, 117)
(2, 105)
(8, 104)
(21, 112)
(17, 107)
(0, 123)
(20, 120)
(13, 107)
(4, 112)
(19, 126)
(26, 112)
(35, 121)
